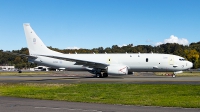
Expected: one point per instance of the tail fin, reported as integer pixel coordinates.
(35, 44)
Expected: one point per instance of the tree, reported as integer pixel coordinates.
(17, 60)
(193, 56)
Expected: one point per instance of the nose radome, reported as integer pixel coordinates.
(190, 64)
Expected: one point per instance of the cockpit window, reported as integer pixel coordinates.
(182, 59)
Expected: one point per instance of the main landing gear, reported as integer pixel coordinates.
(105, 74)
(99, 75)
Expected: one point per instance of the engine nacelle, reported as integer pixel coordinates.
(117, 69)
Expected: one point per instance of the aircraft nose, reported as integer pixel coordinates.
(190, 64)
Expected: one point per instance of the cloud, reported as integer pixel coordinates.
(122, 45)
(158, 43)
(73, 48)
(125, 45)
(174, 39)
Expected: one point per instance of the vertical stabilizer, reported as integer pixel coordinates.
(35, 44)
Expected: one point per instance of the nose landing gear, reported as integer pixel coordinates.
(173, 75)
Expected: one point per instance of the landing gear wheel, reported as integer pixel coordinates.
(98, 75)
(173, 75)
(105, 74)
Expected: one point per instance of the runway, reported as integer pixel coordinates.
(85, 77)
(12, 104)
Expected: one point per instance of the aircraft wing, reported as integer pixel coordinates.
(86, 63)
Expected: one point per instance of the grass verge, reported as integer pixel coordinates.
(187, 96)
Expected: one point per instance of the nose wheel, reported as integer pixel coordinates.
(173, 75)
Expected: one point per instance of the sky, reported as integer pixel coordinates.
(99, 23)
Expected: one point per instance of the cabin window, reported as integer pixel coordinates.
(147, 59)
(109, 59)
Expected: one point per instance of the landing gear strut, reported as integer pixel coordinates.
(99, 74)
(173, 75)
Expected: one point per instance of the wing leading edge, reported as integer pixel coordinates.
(86, 63)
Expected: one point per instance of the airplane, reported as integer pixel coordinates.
(102, 65)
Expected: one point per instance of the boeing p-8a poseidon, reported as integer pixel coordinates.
(102, 64)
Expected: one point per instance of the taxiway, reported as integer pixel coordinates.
(12, 104)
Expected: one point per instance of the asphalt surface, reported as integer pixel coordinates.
(11, 104)
(85, 77)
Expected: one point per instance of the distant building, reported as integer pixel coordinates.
(40, 68)
(7, 68)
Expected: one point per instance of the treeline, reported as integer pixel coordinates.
(8, 59)
(190, 52)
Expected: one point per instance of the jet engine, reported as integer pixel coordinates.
(117, 69)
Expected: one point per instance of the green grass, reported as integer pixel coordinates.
(187, 96)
